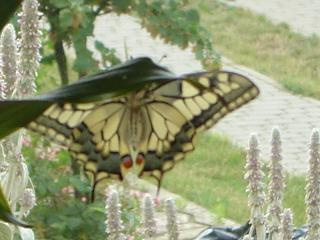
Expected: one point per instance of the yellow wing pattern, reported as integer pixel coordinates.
(98, 135)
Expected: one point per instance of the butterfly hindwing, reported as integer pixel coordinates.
(59, 120)
(169, 138)
(100, 144)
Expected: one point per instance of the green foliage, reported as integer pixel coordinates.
(108, 56)
(58, 214)
(73, 22)
(178, 25)
(122, 6)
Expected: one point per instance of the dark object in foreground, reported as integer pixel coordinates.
(300, 233)
(7, 9)
(224, 233)
(237, 233)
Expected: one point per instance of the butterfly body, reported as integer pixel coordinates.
(136, 119)
(149, 129)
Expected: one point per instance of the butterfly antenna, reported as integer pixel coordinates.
(159, 180)
(93, 191)
(163, 57)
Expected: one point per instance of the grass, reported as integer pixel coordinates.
(212, 176)
(255, 42)
(48, 77)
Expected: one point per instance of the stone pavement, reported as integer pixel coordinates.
(301, 15)
(294, 115)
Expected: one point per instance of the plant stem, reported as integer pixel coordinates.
(61, 61)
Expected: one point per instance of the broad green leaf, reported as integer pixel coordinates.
(116, 81)
(15, 114)
(6, 214)
(7, 9)
(5, 231)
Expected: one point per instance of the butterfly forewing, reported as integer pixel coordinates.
(200, 100)
(205, 98)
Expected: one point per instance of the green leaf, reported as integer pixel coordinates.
(15, 114)
(7, 9)
(63, 157)
(74, 222)
(84, 63)
(193, 16)
(77, 2)
(98, 209)
(122, 6)
(59, 3)
(65, 19)
(80, 185)
(107, 55)
(116, 81)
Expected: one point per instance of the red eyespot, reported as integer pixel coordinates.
(127, 162)
(140, 159)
